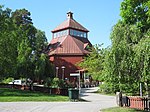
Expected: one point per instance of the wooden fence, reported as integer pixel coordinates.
(141, 103)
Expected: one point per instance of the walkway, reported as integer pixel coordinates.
(94, 104)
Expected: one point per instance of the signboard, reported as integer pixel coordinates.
(74, 74)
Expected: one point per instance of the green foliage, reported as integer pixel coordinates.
(136, 12)
(7, 47)
(93, 62)
(43, 68)
(48, 82)
(40, 66)
(128, 61)
(107, 88)
(7, 80)
(22, 46)
(119, 61)
(57, 83)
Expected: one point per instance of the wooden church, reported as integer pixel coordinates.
(68, 47)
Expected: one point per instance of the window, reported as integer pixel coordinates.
(77, 33)
(61, 33)
(72, 32)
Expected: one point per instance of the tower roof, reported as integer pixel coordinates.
(68, 45)
(70, 23)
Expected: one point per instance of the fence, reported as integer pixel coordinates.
(58, 91)
(141, 103)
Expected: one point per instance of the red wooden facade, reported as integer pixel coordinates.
(68, 47)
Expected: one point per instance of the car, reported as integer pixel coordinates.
(17, 82)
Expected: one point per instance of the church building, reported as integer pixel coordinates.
(68, 47)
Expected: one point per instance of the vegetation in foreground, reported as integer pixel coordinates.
(124, 65)
(121, 109)
(14, 95)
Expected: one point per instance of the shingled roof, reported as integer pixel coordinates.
(70, 23)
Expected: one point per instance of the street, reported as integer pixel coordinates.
(94, 103)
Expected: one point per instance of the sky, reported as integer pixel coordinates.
(98, 16)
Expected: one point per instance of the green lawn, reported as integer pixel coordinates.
(120, 109)
(14, 95)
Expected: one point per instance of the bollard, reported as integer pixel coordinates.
(119, 98)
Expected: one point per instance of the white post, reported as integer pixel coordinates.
(79, 84)
(119, 98)
(84, 78)
(57, 71)
(63, 72)
(141, 89)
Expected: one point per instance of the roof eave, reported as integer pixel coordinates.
(68, 54)
(53, 31)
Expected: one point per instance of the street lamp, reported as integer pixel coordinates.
(57, 71)
(63, 72)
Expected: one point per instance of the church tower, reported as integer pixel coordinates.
(68, 47)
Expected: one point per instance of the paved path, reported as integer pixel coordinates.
(96, 102)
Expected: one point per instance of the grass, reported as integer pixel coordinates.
(14, 95)
(120, 109)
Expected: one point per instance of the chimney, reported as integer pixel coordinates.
(70, 15)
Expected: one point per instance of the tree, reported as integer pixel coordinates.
(142, 50)
(40, 67)
(40, 42)
(40, 58)
(120, 67)
(127, 63)
(25, 42)
(94, 62)
(136, 12)
(22, 46)
(7, 46)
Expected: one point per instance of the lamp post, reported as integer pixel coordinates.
(63, 72)
(57, 71)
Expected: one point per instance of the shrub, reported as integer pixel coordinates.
(7, 80)
(48, 82)
(57, 83)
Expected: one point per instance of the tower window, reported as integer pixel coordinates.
(61, 33)
(78, 33)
